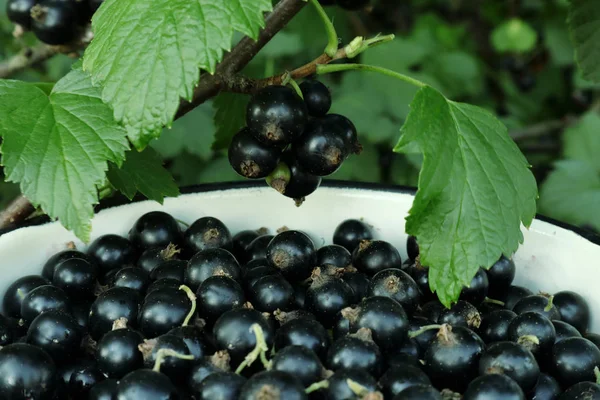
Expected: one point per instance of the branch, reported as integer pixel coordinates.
(541, 129)
(19, 209)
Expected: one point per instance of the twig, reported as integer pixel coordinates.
(19, 209)
(538, 130)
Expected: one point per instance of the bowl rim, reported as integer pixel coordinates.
(120, 200)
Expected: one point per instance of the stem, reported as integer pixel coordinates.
(327, 69)
(280, 177)
(183, 223)
(359, 45)
(164, 353)
(597, 374)
(550, 304)
(18, 210)
(260, 350)
(357, 388)
(425, 328)
(494, 301)
(332, 37)
(293, 84)
(192, 298)
(317, 386)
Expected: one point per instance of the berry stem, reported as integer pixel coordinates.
(493, 301)
(425, 328)
(597, 374)
(279, 178)
(332, 37)
(260, 350)
(183, 223)
(164, 353)
(327, 69)
(192, 298)
(324, 384)
(358, 45)
(550, 304)
(293, 84)
(358, 389)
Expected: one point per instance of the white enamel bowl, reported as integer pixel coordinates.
(552, 258)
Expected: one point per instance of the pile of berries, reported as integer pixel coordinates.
(201, 314)
(292, 142)
(54, 22)
(351, 5)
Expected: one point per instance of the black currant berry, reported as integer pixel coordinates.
(56, 332)
(419, 392)
(412, 248)
(420, 275)
(398, 285)
(284, 385)
(171, 269)
(461, 313)
(240, 242)
(163, 310)
(82, 381)
(512, 360)
(513, 295)
(432, 311)
(111, 305)
(534, 332)
(146, 384)
(494, 325)
(153, 257)
(352, 5)
(500, 277)
(259, 270)
(477, 290)
(573, 361)
(546, 388)
(112, 252)
(582, 390)
(293, 253)
(493, 387)
(537, 303)
(207, 233)
(217, 295)
(16, 292)
(77, 277)
(372, 256)
(359, 283)
(564, 330)
(321, 149)
(350, 233)
(94, 5)
(338, 388)
(251, 158)
(335, 255)
(299, 361)
(316, 96)
(50, 266)
(398, 378)
(304, 332)
(174, 367)
(41, 299)
(219, 385)
(346, 129)
(257, 249)
(19, 12)
(292, 181)
(424, 336)
(195, 339)
(573, 309)
(270, 293)
(276, 115)
(356, 351)
(155, 229)
(105, 390)
(327, 296)
(27, 372)
(452, 358)
(133, 278)
(53, 22)
(117, 353)
(211, 262)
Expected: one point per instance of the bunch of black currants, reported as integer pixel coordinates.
(351, 5)
(292, 142)
(55, 22)
(201, 314)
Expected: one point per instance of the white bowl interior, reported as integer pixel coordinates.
(551, 259)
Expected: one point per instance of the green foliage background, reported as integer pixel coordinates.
(484, 53)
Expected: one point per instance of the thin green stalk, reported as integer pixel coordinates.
(424, 328)
(164, 353)
(192, 298)
(293, 84)
(332, 37)
(329, 68)
(260, 350)
(317, 386)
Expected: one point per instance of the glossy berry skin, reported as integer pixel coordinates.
(133, 278)
(420, 275)
(321, 149)
(351, 352)
(195, 340)
(422, 340)
(210, 262)
(286, 385)
(117, 353)
(326, 297)
(534, 324)
(564, 330)
(105, 390)
(175, 368)
(300, 183)
(350, 233)
(513, 295)
(26, 372)
(111, 305)
(500, 277)
(251, 158)
(512, 360)
(276, 116)
(146, 384)
(372, 256)
(155, 229)
(50, 265)
(303, 332)
(359, 283)
(412, 247)
(352, 5)
(258, 272)
(170, 269)
(163, 310)
(398, 378)
(338, 387)
(299, 361)
(494, 325)
(452, 358)
(335, 255)
(461, 313)
(232, 332)
(537, 303)
(573, 309)
(43, 298)
(219, 385)
(201, 369)
(573, 361)
(293, 253)
(257, 249)
(240, 242)
(153, 257)
(19, 12)
(82, 381)
(271, 293)
(546, 388)
(346, 129)
(217, 295)
(53, 22)
(56, 332)
(16, 292)
(77, 277)
(112, 252)
(477, 291)
(316, 96)
(582, 390)
(207, 233)
(397, 285)
(493, 387)
(385, 318)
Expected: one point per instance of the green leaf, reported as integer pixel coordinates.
(582, 140)
(475, 189)
(57, 146)
(458, 72)
(584, 23)
(571, 193)
(143, 172)
(218, 170)
(230, 117)
(558, 42)
(147, 54)
(514, 35)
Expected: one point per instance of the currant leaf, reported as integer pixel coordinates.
(584, 24)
